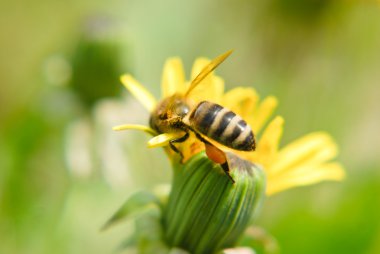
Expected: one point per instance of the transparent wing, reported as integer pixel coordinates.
(206, 70)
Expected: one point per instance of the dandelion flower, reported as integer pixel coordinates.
(204, 212)
(305, 161)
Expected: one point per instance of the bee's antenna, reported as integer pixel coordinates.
(206, 70)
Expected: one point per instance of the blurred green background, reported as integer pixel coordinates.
(63, 171)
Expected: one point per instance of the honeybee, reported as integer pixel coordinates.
(205, 119)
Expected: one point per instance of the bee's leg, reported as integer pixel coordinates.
(216, 155)
(178, 140)
(201, 138)
(226, 170)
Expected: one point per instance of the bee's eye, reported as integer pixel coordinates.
(163, 116)
(182, 110)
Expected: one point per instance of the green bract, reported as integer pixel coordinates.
(205, 212)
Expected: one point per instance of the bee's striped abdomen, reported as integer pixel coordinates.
(223, 126)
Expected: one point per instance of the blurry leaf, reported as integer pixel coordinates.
(150, 232)
(147, 237)
(134, 204)
(130, 242)
(260, 240)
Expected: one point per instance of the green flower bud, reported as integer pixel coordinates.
(206, 212)
(96, 64)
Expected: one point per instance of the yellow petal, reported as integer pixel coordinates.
(242, 101)
(314, 148)
(163, 139)
(140, 93)
(211, 88)
(267, 146)
(135, 127)
(173, 78)
(307, 176)
(263, 113)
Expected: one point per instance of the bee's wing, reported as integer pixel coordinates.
(206, 70)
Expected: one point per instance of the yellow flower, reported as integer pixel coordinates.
(304, 161)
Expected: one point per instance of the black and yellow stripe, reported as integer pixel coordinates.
(223, 126)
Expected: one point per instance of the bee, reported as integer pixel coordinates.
(207, 120)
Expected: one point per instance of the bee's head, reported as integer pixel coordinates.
(167, 110)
